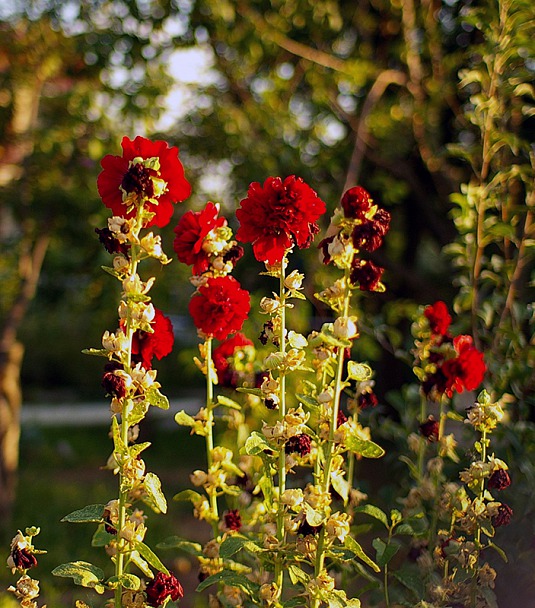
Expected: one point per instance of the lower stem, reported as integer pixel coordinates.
(214, 512)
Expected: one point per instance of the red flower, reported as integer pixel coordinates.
(439, 318)
(466, 371)
(220, 307)
(430, 429)
(161, 587)
(232, 520)
(148, 173)
(366, 274)
(158, 343)
(356, 202)
(223, 353)
(300, 444)
(191, 231)
(277, 215)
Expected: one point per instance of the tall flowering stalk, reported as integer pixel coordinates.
(21, 559)
(140, 187)
(218, 307)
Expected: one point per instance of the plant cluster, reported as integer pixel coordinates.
(283, 424)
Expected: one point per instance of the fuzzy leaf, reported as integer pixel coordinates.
(175, 542)
(101, 538)
(384, 552)
(147, 553)
(351, 544)
(359, 371)
(232, 579)
(250, 391)
(190, 495)
(184, 419)
(374, 512)
(297, 575)
(83, 574)
(89, 514)
(231, 545)
(153, 488)
(255, 444)
(127, 581)
(411, 579)
(136, 559)
(222, 400)
(363, 447)
(154, 397)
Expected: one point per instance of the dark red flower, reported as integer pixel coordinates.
(219, 307)
(299, 444)
(429, 429)
(222, 356)
(503, 516)
(277, 215)
(112, 383)
(158, 343)
(191, 231)
(356, 202)
(161, 587)
(369, 234)
(466, 371)
(232, 520)
(149, 173)
(439, 318)
(367, 399)
(499, 480)
(341, 418)
(111, 244)
(23, 559)
(366, 274)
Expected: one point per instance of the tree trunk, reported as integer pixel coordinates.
(10, 404)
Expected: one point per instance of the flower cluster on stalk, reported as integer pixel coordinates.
(22, 558)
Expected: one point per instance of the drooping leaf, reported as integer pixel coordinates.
(153, 489)
(147, 553)
(82, 573)
(364, 447)
(384, 552)
(351, 544)
(125, 580)
(233, 579)
(175, 542)
(89, 514)
(374, 512)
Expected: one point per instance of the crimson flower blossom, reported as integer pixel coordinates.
(466, 371)
(162, 587)
(356, 202)
(222, 355)
(191, 231)
(158, 343)
(219, 307)
(148, 173)
(277, 215)
(439, 318)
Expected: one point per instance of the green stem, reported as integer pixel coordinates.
(214, 513)
(279, 566)
(329, 447)
(423, 441)
(481, 491)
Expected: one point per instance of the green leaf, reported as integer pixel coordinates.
(147, 553)
(184, 419)
(499, 551)
(89, 514)
(250, 391)
(385, 552)
(233, 579)
(297, 575)
(374, 512)
(359, 371)
(413, 580)
(175, 542)
(127, 581)
(309, 401)
(98, 352)
(137, 560)
(186, 495)
(256, 444)
(222, 400)
(154, 397)
(153, 489)
(351, 544)
(101, 538)
(363, 447)
(83, 574)
(231, 545)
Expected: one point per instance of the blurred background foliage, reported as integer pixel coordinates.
(428, 104)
